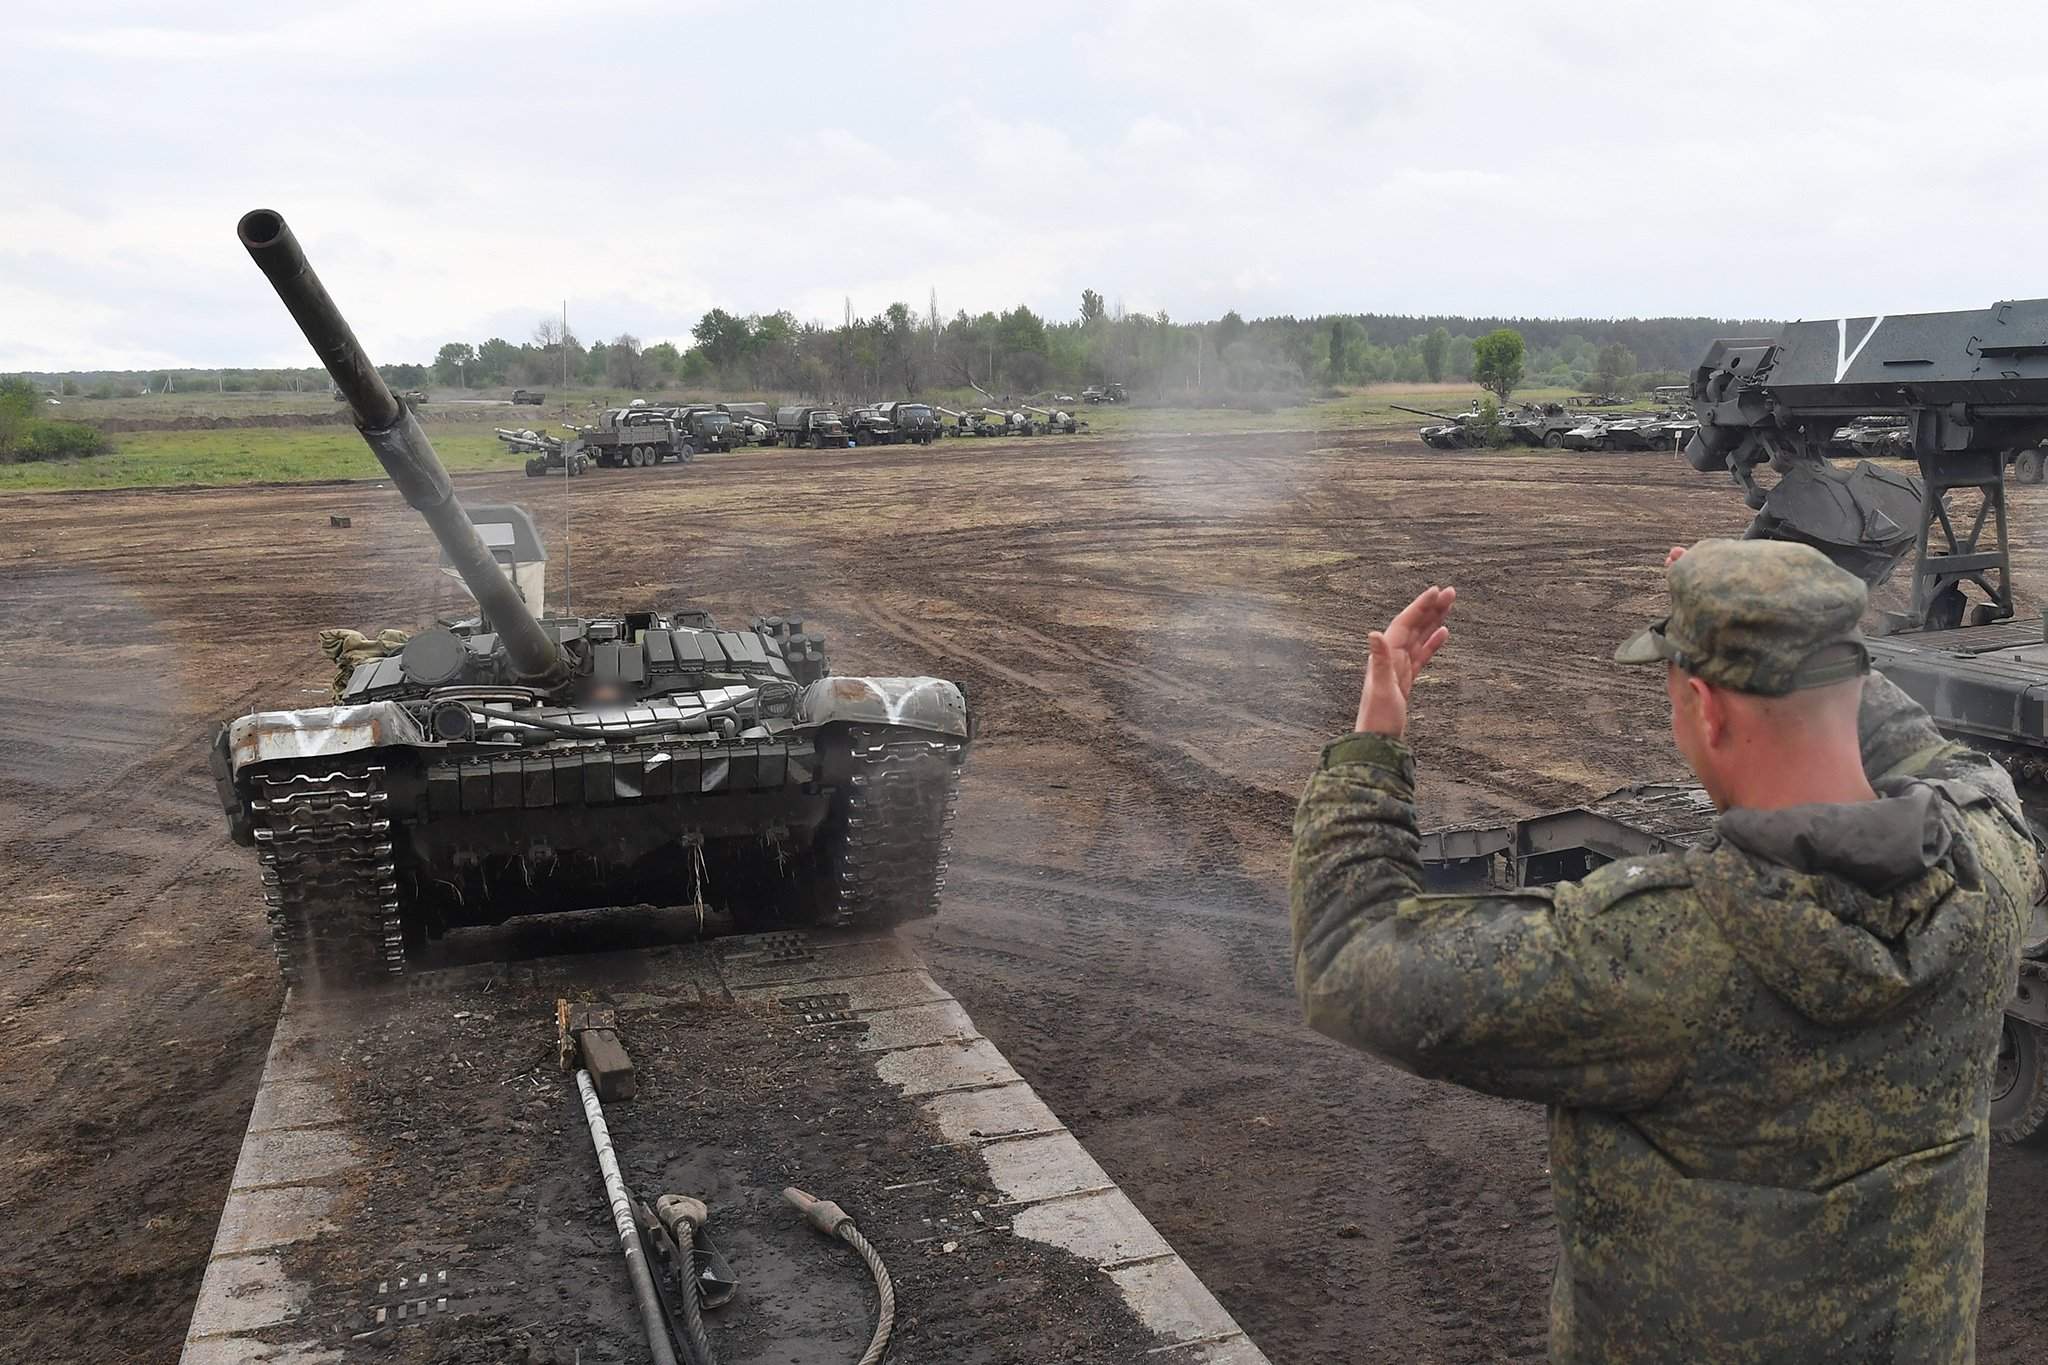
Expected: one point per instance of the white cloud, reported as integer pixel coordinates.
(457, 170)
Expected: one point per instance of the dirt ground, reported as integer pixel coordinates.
(1158, 634)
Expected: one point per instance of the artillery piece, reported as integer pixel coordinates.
(522, 762)
(543, 452)
(1055, 420)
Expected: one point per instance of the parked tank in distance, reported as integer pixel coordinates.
(1871, 438)
(1451, 431)
(523, 762)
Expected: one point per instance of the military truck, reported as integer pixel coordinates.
(871, 425)
(635, 436)
(1105, 393)
(529, 396)
(705, 427)
(916, 423)
(522, 762)
(816, 427)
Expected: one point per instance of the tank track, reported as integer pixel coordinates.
(328, 876)
(895, 827)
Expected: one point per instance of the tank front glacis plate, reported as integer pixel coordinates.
(319, 732)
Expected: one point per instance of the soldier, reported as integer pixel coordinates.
(1767, 1058)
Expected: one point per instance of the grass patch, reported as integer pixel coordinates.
(155, 459)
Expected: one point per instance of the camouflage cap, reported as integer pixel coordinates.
(1763, 616)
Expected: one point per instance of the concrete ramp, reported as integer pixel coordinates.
(311, 1162)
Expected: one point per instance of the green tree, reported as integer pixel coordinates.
(722, 337)
(1497, 362)
(1230, 329)
(1436, 347)
(494, 360)
(623, 363)
(1092, 310)
(453, 362)
(1616, 364)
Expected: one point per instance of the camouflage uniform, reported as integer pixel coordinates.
(1767, 1058)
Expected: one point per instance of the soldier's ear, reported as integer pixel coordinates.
(1711, 707)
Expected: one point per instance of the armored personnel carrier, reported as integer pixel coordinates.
(523, 762)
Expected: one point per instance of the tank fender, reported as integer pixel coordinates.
(924, 703)
(319, 731)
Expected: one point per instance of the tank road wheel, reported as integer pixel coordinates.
(2019, 1081)
(1553, 440)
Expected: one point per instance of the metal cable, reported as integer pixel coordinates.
(885, 1292)
(696, 1341)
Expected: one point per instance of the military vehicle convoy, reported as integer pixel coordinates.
(635, 436)
(1971, 391)
(523, 762)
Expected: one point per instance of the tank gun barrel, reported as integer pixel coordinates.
(1423, 412)
(396, 439)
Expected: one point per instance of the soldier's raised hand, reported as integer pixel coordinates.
(1398, 654)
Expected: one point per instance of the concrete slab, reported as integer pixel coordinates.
(916, 1026)
(258, 1220)
(305, 1103)
(983, 1115)
(880, 991)
(245, 1294)
(292, 1156)
(1169, 1296)
(946, 1066)
(1051, 1167)
(1105, 1228)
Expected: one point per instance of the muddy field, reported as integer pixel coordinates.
(1158, 635)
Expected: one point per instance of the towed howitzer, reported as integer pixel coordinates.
(516, 764)
(1064, 422)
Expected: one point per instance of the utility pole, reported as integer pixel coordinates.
(934, 315)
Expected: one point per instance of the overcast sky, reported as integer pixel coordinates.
(456, 170)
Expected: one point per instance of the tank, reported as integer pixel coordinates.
(524, 762)
(1454, 431)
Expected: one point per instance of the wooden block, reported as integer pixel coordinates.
(611, 1070)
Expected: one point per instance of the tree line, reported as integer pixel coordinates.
(903, 351)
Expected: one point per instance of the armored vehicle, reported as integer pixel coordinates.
(1873, 438)
(1459, 431)
(1542, 424)
(1620, 433)
(523, 762)
(808, 426)
(543, 453)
